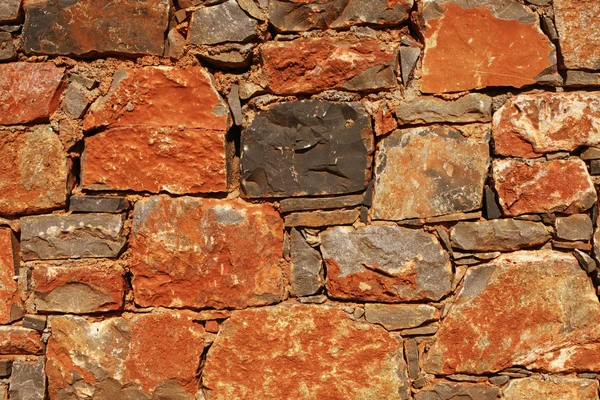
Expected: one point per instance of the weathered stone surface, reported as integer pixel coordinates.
(303, 351)
(475, 44)
(297, 16)
(582, 79)
(384, 263)
(206, 253)
(408, 60)
(518, 310)
(28, 381)
(9, 11)
(498, 235)
(7, 48)
(394, 317)
(307, 148)
(75, 100)
(48, 237)
(15, 340)
(97, 204)
(555, 388)
(224, 22)
(578, 31)
(323, 203)
(307, 266)
(35, 177)
(318, 64)
(430, 171)
(126, 27)
(10, 302)
(543, 187)
(318, 219)
(463, 391)
(574, 227)
(530, 125)
(34, 321)
(473, 107)
(131, 357)
(78, 287)
(29, 92)
(5, 370)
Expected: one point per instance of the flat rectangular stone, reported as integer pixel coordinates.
(582, 79)
(97, 204)
(450, 391)
(307, 266)
(49, 237)
(28, 380)
(16, 340)
(453, 217)
(317, 219)
(473, 107)
(395, 317)
(9, 11)
(499, 235)
(37, 322)
(319, 203)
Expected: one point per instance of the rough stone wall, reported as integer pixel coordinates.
(299, 199)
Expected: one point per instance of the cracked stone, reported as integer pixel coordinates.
(498, 235)
(234, 25)
(473, 107)
(578, 26)
(10, 302)
(555, 388)
(307, 267)
(574, 227)
(28, 381)
(463, 391)
(394, 317)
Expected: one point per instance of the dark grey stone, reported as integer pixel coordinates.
(49, 237)
(582, 79)
(322, 203)
(499, 380)
(307, 148)
(224, 22)
(492, 208)
(586, 262)
(9, 11)
(5, 368)
(408, 61)
(83, 81)
(591, 153)
(473, 107)
(307, 267)
(75, 100)
(28, 381)
(498, 235)
(595, 167)
(233, 99)
(411, 351)
(426, 330)
(463, 391)
(395, 317)
(37, 322)
(548, 27)
(97, 204)
(228, 56)
(574, 227)
(7, 48)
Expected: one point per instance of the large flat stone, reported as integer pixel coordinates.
(123, 27)
(29, 92)
(233, 25)
(556, 388)
(190, 252)
(34, 178)
(578, 26)
(9, 11)
(128, 357)
(27, 380)
(10, 303)
(307, 148)
(429, 171)
(498, 235)
(530, 125)
(303, 352)
(481, 43)
(518, 310)
(298, 16)
(473, 107)
(326, 63)
(543, 187)
(384, 263)
(454, 391)
(48, 237)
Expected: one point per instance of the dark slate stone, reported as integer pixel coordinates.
(9, 11)
(492, 209)
(5, 368)
(28, 381)
(463, 391)
(37, 322)
(408, 61)
(97, 204)
(224, 22)
(307, 148)
(7, 49)
(319, 203)
(307, 267)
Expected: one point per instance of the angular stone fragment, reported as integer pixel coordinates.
(123, 27)
(307, 148)
(475, 44)
(307, 267)
(408, 60)
(303, 351)
(298, 16)
(37, 322)
(543, 187)
(190, 252)
(518, 310)
(394, 317)
(29, 92)
(582, 79)
(78, 287)
(323, 203)
(325, 63)
(7, 48)
(75, 101)
(49, 237)
(462, 391)
(97, 204)
(384, 263)
(574, 227)
(28, 381)
(555, 388)
(9, 11)
(15, 340)
(318, 219)
(5, 370)
(473, 107)
(578, 31)
(498, 235)
(35, 177)
(530, 125)
(224, 22)
(429, 171)
(129, 357)
(9, 264)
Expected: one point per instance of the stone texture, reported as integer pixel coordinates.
(384, 263)
(15, 340)
(129, 357)
(75, 100)
(207, 253)
(307, 266)
(307, 148)
(408, 61)
(579, 32)
(543, 187)
(29, 92)
(582, 79)
(9, 11)
(298, 16)
(78, 288)
(35, 177)
(48, 237)
(319, 219)
(530, 125)
(555, 388)
(429, 171)
(518, 310)
(121, 27)
(394, 317)
(462, 391)
(473, 107)
(224, 22)
(498, 235)
(7, 48)
(574, 227)
(97, 204)
(481, 43)
(34, 321)
(303, 351)
(10, 302)
(28, 381)
(323, 203)
(326, 63)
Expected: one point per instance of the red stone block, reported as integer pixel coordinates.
(9, 263)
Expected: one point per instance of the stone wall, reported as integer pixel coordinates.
(299, 199)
